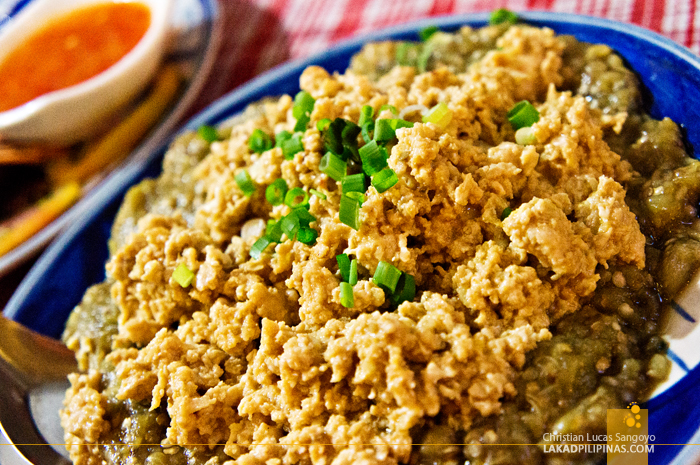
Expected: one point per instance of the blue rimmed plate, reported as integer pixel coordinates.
(669, 71)
(196, 36)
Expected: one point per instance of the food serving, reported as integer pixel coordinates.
(458, 241)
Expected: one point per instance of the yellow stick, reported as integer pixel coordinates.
(118, 142)
(25, 225)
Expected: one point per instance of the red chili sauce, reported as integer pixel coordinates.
(70, 49)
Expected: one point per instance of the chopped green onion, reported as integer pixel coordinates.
(292, 146)
(353, 183)
(305, 218)
(425, 33)
(333, 166)
(386, 276)
(406, 53)
(354, 195)
(424, 57)
(296, 197)
(525, 136)
(349, 137)
(273, 231)
(385, 179)
(400, 123)
(383, 131)
(373, 158)
(208, 133)
(352, 278)
(506, 212)
(318, 194)
(333, 136)
(405, 290)
(366, 128)
(245, 183)
(323, 124)
(307, 235)
(275, 192)
(259, 247)
(183, 275)
(259, 141)
(347, 298)
(281, 137)
(391, 108)
(349, 212)
(343, 266)
(303, 104)
(290, 225)
(439, 115)
(523, 114)
(366, 114)
(501, 16)
(301, 123)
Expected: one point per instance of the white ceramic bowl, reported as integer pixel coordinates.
(77, 112)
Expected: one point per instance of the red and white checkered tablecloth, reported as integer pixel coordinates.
(260, 34)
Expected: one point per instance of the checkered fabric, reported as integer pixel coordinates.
(260, 34)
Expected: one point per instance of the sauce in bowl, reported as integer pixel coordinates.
(71, 49)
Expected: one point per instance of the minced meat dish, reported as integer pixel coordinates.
(464, 241)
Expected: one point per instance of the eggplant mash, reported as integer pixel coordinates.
(468, 240)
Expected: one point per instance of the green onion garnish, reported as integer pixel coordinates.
(385, 179)
(333, 136)
(305, 218)
(525, 136)
(373, 158)
(302, 122)
(347, 298)
(292, 146)
(296, 197)
(352, 278)
(386, 276)
(425, 33)
(523, 114)
(501, 16)
(183, 275)
(245, 183)
(333, 166)
(383, 131)
(506, 212)
(259, 247)
(303, 104)
(349, 212)
(366, 129)
(405, 290)
(391, 108)
(290, 225)
(318, 194)
(282, 136)
(354, 195)
(353, 183)
(323, 124)
(275, 192)
(208, 133)
(439, 115)
(307, 235)
(259, 141)
(343, 266)
(349, 137)
(366, 115)
(273, 231)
